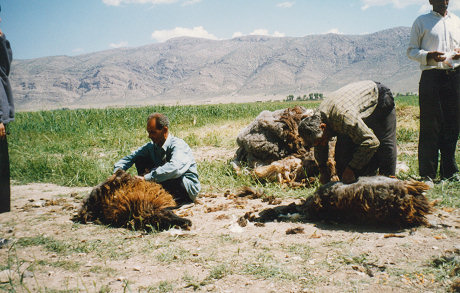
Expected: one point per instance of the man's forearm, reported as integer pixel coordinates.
(2, 130)
(170, 170)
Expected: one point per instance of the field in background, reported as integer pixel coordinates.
(79, 147)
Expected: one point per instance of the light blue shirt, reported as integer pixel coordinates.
(173, 160)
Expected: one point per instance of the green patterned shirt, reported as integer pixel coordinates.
(344, 111)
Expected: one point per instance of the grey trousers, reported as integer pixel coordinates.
(439, 122)
(4, 177)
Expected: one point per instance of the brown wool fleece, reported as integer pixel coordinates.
(125, 201)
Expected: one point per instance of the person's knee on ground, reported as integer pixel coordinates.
(177, 189)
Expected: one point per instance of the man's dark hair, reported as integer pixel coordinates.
(160, 119)
(310, 130)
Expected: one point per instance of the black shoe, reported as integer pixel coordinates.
(453, 178)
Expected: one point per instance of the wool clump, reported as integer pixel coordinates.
(125, 201)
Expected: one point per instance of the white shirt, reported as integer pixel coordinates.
(433, 32)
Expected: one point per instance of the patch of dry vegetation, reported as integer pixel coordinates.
(408, 117)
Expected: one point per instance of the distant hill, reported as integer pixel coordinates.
(188, 70)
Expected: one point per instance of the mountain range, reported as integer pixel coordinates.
(192, 70)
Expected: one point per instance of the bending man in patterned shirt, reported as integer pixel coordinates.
(167, 160)
(363, 118)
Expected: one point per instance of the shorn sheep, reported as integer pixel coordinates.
(125, 201)
(376, 200)
(283, 171)
(271, 136)
(272, 146)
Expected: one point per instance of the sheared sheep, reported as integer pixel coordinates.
(272, 146)
(125, 201)
(282, 171)
(374, 200)
(271, 136)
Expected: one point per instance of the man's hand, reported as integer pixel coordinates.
(457, 54)
(140, 177)
(348, 176)
(436, 56)
(1, 33)
(2, 130)
(324, 179)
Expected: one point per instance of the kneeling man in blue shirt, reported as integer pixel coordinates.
(167, 160)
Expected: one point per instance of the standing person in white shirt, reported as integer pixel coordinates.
(435, 44)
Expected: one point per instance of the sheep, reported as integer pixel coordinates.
(271, 136)
(375, 200)
(272, 146)
(283, 171)
(125, 201)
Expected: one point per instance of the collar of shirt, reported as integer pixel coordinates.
(437, 14)
(168, 142)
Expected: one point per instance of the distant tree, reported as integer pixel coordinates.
(289, 98)
(311, 96)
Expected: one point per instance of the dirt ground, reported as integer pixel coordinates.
(48, 252)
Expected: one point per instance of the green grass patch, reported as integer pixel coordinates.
(109, 248)
(48, 243)
(163, 287)
(445, 267)
(73, 266)
(406, 135)
(173, 254)
(407, 100)
(79, 147)
(265, 267)
(220, 271)
(447, 192)
(302, 250)
(267, 271)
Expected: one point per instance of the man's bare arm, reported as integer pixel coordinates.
(2, 130)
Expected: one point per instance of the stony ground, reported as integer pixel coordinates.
(48, 251)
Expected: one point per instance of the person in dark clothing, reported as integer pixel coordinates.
(363, 118)
(6, 116)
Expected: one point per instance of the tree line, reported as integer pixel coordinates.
(311, 96)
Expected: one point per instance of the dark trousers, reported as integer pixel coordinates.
(383, 122)
(4, 177)
(174, 186)
(439, 101)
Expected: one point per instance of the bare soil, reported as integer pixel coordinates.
(47, 251)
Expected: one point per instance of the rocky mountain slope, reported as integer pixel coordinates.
(190, 70)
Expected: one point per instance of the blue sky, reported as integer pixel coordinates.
(38, 28)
